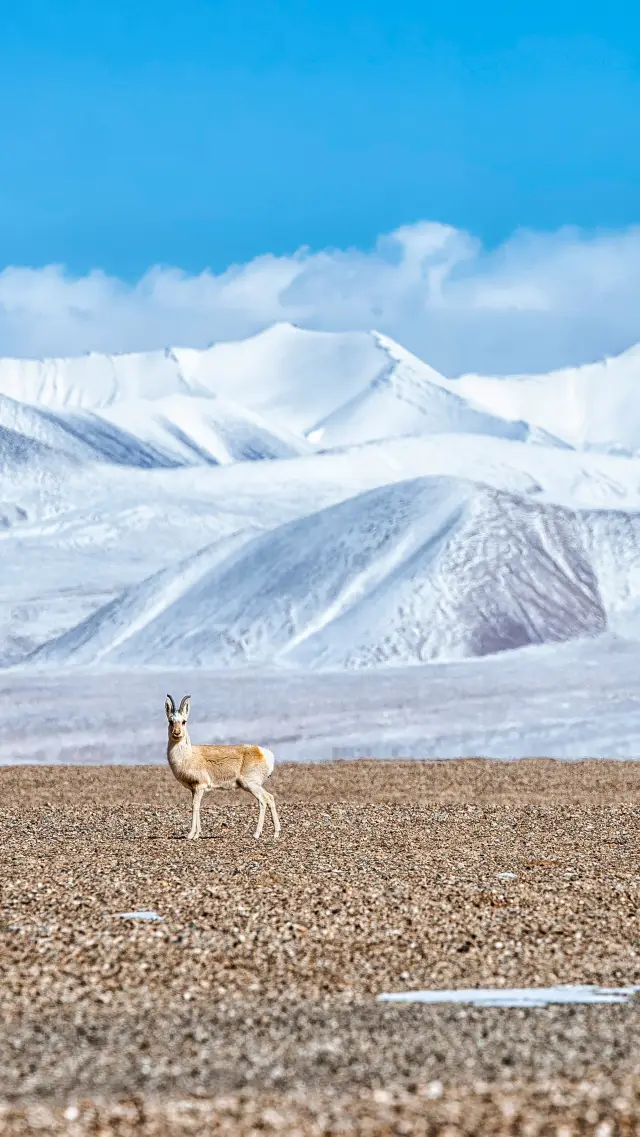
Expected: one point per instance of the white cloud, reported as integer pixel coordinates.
(538, 301)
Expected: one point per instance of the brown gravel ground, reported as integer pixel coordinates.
(251, 1009)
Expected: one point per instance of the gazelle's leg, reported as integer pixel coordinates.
(195, 813)
(259, 794)
(202, 793)
(271, 802)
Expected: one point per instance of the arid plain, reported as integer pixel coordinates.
(251, 1006)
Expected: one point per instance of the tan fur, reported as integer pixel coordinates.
(205, 768)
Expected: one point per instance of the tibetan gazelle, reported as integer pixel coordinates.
(204, 768)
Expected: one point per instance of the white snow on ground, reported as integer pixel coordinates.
(517, 996)
(191, 431)
(409, 397)
(294, 376)
(254, 398)
(291, 376)
(304, 500)
(104, 632)
(82, 539)
(104, 530)
(20, 453)
(147, 914)
(74, 436)
(430, 568)
(595, 405)
(177, 430)
(572, 700)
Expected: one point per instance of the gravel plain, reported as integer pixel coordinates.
(250, 1007)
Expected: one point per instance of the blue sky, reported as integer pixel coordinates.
(198, 133)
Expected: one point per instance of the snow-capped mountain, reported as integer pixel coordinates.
(407, 396)
(310, 499)
(425, 569)
(294, 377)
(173, 430)
(595, 406)
(334, 388)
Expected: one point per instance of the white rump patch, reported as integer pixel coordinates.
(268, 757)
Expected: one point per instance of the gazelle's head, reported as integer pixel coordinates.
(177, 719)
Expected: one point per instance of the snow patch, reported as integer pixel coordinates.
(143, 914)
(518, 996)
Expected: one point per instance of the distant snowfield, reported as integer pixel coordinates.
(569, 701)
(305, 501)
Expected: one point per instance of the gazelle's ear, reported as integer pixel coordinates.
(185, 706)
(169, 707)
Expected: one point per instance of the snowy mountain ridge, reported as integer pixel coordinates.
(311, 499)
(431, 568)
(595, 405)
(304, 379)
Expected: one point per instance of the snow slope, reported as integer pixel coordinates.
(72, 543)
(431, 568)
(176, 430)
(596, 405)
(294, 377)
(339, 388)
(122, 618)
(191, 430)
(415, 522)
(353, 386)
(91, 381)
(77, 435)
(19, 452)
(409, 397)
(502, 573)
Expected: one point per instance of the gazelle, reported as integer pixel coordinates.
(204, 768)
